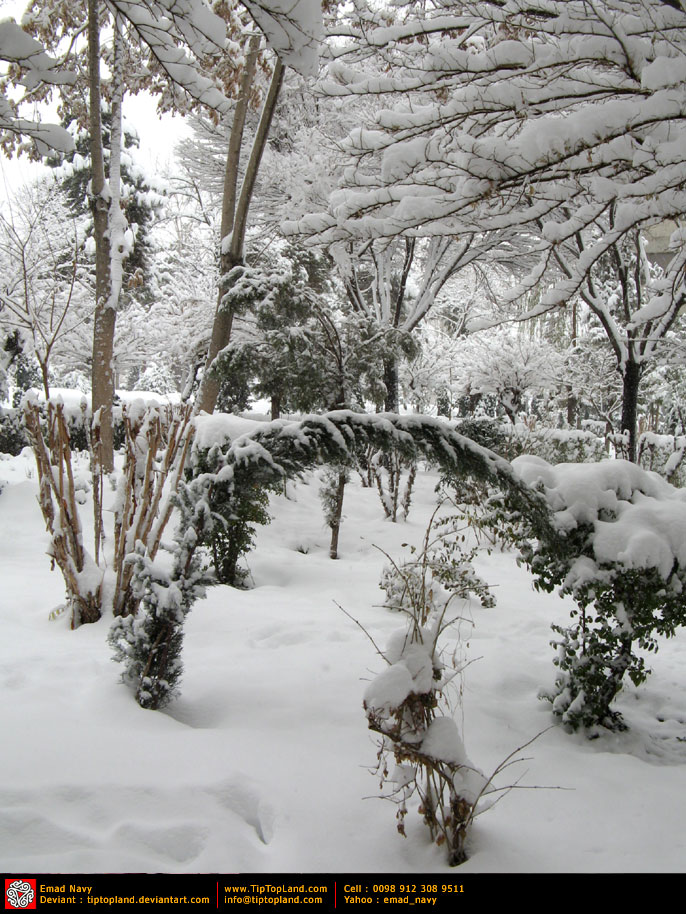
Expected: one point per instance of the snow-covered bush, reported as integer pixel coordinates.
(664, 454)
(619, 549)
(559, 445)
(13, 437)
(72, 378)
(149, 642)
(278, 450)
(556, 445)
(404, 706)
(60, 494)
(156, 379)
(156, 444)
(77, 416)
(490, 433)
(407, 704)
(236, 506)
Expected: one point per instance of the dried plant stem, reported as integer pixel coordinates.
(57, 499)
(147, 498)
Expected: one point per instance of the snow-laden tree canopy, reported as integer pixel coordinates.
(180, 34)
(176, 39)
(293, 29)
(19, 49)
(551, 118)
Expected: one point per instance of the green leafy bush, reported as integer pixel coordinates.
(13, 437)
(617, 549)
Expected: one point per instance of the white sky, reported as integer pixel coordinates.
(158, 136)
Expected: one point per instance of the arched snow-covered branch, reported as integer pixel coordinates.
(283, 449)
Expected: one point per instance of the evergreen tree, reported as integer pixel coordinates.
(141, 199)
(297, 342)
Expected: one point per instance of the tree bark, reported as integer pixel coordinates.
(275, 407)
(44, 376)
(335, 523)
(221, 334)
(390, 378)
(631, 379)
(104, 317)
(572, 401)
(223, 319)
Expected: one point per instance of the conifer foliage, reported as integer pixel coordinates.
(149, 643)
(223, 470)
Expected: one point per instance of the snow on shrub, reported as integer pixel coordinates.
(561, 445)
(556, 445)
(149, 642)
(224, 467)
(664, 454)
(621, 554)
(407, 703)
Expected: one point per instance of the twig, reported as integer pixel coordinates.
(359, 624)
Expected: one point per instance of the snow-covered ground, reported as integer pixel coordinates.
(262, 764)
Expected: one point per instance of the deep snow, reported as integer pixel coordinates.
(262, 764)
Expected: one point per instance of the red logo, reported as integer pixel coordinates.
(20, 894)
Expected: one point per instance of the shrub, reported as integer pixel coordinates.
(438, 573)
(618, 551)
(237, 502)
(407, 704)
(149, 642)
(235, 512)
(13, 436)
(664, 454)
(617, 610)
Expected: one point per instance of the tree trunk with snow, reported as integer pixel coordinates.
(109, 228)
(223, 320)
(59, 498)
(104, 318)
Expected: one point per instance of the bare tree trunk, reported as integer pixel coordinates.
(335, 522)
(44, 376)
(390, 377)
(104, 318)
(631, 378)
(232, 253)
(572, 402)
(57, 499)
